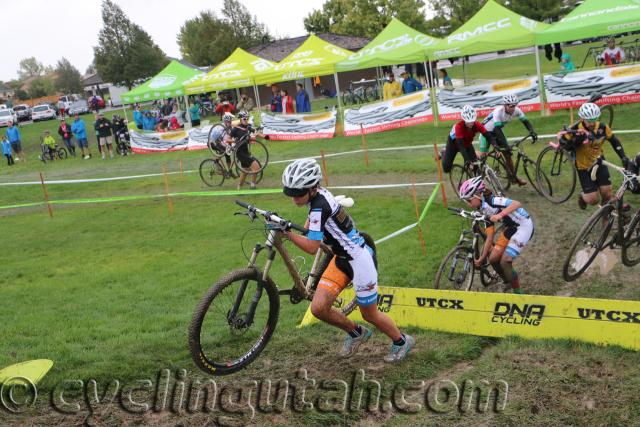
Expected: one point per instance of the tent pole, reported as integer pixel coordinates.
(257, 95)
(464, 70)
(186, 103)
(124, 110)
(379, 79)
(237, 95)
(335, 76)
(543, 95)
(432, 92)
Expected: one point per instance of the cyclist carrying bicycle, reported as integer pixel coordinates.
(461, 138)
(494, 123)
(354, 261)
(585, 139)
(218, 142)
(244, 134)
(517, 232)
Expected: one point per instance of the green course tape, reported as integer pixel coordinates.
(429, 202)
(24, 205)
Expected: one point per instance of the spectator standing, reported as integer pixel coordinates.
(245, 103)
(409, 84)
(166, 108)
(302, 100)
(287, 102)
(194, 110)
(566, 64)
(276, 100)
(612, 55)
(95, 105)
(13, 135)
(225, 107)
(65, 132)
(105, 136)
(446, 80)
(6, 150)
(80, 131)
(391, 88)
(137, 116)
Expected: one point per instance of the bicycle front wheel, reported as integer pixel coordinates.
(457, 175)
(588, 243)
(62, 153)
(531, 170)
(233, 322)
(257, 151)
(631, 244)
(498, 174)
(211, 172)
(556, 175)
(456, 271)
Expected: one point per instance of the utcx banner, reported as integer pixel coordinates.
(408, 110)
(485, 97)
(618, 85)
(291, 127)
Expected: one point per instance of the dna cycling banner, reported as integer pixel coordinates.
(617, 85)
(485, 97)
(395, 113)
(291, 127)
(156, 142)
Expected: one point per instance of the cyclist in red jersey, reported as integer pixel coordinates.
(461, 138)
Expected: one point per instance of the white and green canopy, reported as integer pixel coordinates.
(594, 18)
(236, 71)
(314, 57)
(396, 44)
(493, 28)
(167, 83)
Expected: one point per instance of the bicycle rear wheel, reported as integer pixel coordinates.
(211, 172)
(457, 175)
(556, 175)
(233, 322)
(606, 114)
(588, 243)
(456, 271)
(62, 153)
(258, 151)
(631, 244)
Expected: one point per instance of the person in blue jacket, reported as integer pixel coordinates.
(302, 100)
(409, 84)
(13, 135)
(80, 131)
(137, 116)
(6, 150)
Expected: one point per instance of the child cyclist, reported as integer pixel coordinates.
(518, 229)
(354, 261)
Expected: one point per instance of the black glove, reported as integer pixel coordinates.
(534, 137)
(625, 162)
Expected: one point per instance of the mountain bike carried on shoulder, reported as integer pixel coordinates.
(593, 237)
(215, 170)
(237, 316)
(457, 269)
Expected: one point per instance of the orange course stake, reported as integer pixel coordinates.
(325, 171)
(571, 115)
(439, 165)
(46, 196)
(364, 146)
(415, 202)
(166, 189)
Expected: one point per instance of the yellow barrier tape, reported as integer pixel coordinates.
(598, 321)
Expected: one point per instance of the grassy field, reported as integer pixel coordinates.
(107, 290)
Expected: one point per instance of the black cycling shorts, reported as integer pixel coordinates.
(589, 186)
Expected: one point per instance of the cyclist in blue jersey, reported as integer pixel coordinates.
(354, 261)
(518, 229)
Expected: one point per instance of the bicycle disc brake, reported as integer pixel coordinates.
(238, 326)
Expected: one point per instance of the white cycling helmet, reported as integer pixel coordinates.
(243, 115)
(510, 99)
(471, 187)
(469, 114)
(300, 176)
(589, 111)
(227, 117)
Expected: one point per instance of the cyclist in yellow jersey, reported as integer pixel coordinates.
(586, 139)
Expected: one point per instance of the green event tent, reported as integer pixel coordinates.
(396, 44)
(594, 18)
(236, 71)
(314, 57)
(167, 83)
(493, 28)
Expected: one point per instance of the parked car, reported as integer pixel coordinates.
(43, 112)
(78, 107)
(7, 115)
(101, 103)
(23, 111)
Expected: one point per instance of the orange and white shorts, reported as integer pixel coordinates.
(361, 271)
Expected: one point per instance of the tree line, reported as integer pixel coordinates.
(126, 54)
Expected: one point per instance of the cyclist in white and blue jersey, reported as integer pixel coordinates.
(518, 229)
(354, 261)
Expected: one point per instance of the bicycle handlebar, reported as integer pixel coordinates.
(476, 216)
(272, 217)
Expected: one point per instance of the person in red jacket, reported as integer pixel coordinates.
(65, 132)
(287, 102)
(224, 107)
(461, 138)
